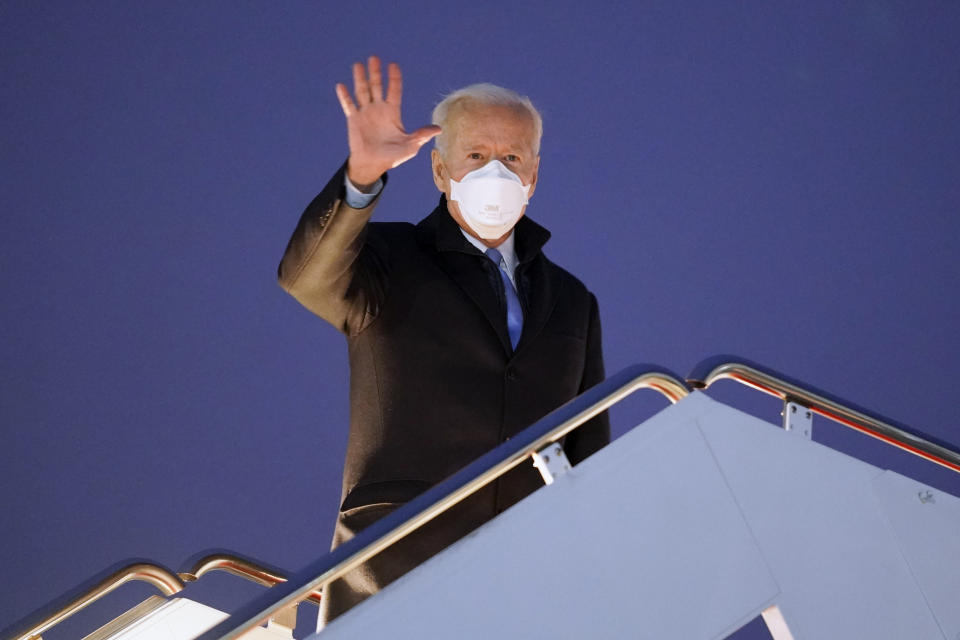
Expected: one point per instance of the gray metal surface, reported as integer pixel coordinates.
(815, 515)
(926, 524)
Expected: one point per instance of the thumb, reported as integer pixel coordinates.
(423, 135)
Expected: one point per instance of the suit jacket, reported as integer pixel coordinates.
(434, 382)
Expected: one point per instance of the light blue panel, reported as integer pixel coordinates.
(642, 540)
(926, 523)
(821, 528)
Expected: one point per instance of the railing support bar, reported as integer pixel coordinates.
(167, 582)
(779, 386)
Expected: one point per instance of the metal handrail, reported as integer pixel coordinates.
(824, 404)
(166, 581)
(242, 567)
(436, 500)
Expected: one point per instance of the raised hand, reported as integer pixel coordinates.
(375, 132)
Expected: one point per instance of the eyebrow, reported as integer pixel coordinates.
(515, 147)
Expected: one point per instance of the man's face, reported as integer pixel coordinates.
(477, 134)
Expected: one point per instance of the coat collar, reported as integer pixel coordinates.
(440, 230)
(538, 284)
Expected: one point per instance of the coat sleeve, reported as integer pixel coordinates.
(331, 266)
(595, 433)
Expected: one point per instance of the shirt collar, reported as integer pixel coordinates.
(507, 249)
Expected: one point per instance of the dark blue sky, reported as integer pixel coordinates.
(780, 181)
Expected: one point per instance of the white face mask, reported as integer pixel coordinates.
(491, 199)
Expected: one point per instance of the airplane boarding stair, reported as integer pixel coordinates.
(690, 525)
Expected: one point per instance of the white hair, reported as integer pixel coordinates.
(484, 93)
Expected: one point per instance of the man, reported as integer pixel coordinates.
(452, 350)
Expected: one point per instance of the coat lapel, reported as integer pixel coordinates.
(539, 285)
(463, 263)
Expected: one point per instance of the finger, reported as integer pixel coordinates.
(395, 88)
(345, 102)
(423, 135)
(360, 87)
(376, 79)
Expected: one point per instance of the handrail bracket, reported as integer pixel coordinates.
(551, 462)
(797, 419)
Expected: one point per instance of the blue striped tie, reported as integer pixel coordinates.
(514, 310)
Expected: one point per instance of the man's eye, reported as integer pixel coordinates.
(476, 156)
(511, 158)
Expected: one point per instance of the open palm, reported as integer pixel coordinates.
(378, 141)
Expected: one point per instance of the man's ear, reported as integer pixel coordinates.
(533, 180)
(439, 171)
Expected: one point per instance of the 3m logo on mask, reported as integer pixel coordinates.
(491, 199)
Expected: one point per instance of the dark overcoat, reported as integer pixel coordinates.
(434, 382)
